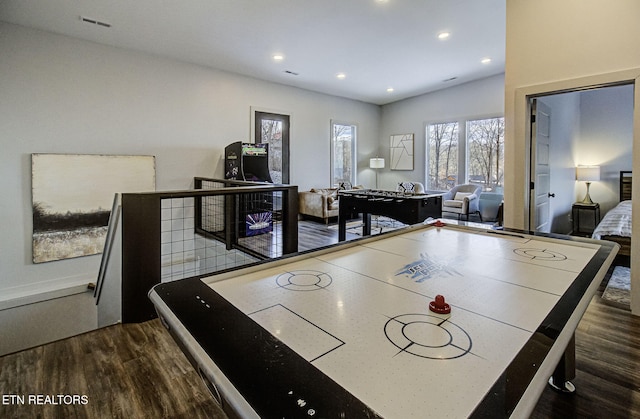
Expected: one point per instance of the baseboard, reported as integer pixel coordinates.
(35, 293)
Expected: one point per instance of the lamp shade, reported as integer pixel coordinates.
(376, 163)
(588, 173)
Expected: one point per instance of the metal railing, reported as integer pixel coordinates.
(219, 226)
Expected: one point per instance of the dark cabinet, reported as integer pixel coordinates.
(585, 218)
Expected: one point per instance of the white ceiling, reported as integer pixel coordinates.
(376, 44)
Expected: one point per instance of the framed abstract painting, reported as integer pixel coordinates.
(72, 196)
(401, 152)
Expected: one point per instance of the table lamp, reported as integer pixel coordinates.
(587, 174)
(376, 163)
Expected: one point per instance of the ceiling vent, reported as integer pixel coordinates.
(95, 22)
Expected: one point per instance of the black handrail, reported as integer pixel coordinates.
(141, 233)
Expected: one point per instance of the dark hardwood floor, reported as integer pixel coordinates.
(125, 371)
(607, 367)
(137, 371)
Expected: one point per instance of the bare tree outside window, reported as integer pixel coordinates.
(343, 143)
(273, 129)
(442, 155)
(485, 142)
(272, 134)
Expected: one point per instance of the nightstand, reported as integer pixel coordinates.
(585, 218)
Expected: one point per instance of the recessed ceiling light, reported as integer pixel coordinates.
(389, 89)
(278, 57)
(486, 60)
(444, 35)
(341, 76)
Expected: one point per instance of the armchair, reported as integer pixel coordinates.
(463, 200)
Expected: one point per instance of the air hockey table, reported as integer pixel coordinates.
(426, 321)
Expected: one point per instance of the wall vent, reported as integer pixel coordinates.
(95, 22)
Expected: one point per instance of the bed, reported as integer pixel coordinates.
(616, 224)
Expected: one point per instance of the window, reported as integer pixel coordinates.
(442, 151)
(479, 159)
(343, 153)
(485, 144)
(273, 129)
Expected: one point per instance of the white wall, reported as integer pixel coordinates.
(64, 95)
(552, 46)
(25, 324)
(606, 140)
(482, 98)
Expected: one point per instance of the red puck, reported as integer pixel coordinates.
(438, 223)
(439, 306)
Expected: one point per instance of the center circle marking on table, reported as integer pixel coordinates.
(304, 280)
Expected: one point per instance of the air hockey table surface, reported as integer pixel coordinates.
(346, 331)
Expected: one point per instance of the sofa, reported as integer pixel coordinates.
(321, 203)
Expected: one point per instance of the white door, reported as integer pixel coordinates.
(539, 210)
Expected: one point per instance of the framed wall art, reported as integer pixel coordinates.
(401, 152)
(72, 196)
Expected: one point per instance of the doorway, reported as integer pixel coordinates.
(273, 129)
(517, 196)
(595, 146)
(586, 127)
